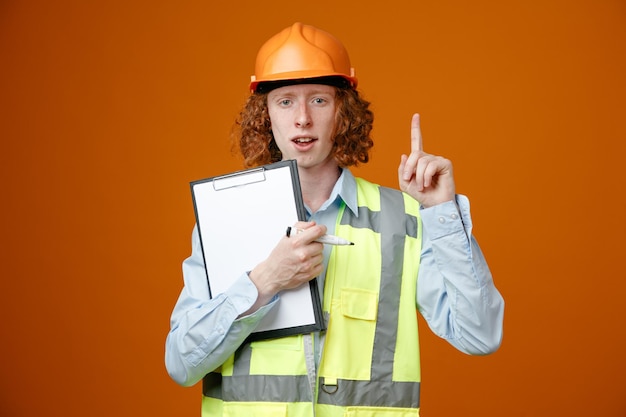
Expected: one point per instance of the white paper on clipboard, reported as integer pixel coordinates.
(241, 217)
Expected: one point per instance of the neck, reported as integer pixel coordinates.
(317, 186)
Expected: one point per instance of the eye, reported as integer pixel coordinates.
(284, 102)
(319, 100)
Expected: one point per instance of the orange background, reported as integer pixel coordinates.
(110, 108)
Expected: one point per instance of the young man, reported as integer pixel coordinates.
(415, 251)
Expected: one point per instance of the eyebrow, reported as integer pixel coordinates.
(317, 89)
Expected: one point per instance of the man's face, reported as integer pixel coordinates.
(303, 121)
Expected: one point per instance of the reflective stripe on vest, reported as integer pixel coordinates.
(398, 232)
(241, 386)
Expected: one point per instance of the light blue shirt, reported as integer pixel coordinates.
(455, 292)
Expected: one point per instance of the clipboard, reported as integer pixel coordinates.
(241, 217)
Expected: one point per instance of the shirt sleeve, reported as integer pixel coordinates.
(205, 331)
(455, 290)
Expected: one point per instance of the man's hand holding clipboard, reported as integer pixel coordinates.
(293, 262)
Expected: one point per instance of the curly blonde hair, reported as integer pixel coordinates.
(252, 134)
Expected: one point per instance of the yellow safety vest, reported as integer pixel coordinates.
(370, 361)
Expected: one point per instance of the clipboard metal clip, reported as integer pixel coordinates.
(238, 179)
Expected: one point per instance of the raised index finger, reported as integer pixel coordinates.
(416, 134)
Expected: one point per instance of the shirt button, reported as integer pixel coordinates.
(454, 216)
(442, 220)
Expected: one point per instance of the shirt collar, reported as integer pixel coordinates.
(345, 188)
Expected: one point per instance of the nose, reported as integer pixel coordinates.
(303, 116)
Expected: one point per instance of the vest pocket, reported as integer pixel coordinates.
(282, 343)
(350, 335)
(359, 304)
(282, 356)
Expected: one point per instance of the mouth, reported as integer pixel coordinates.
(302, 141)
